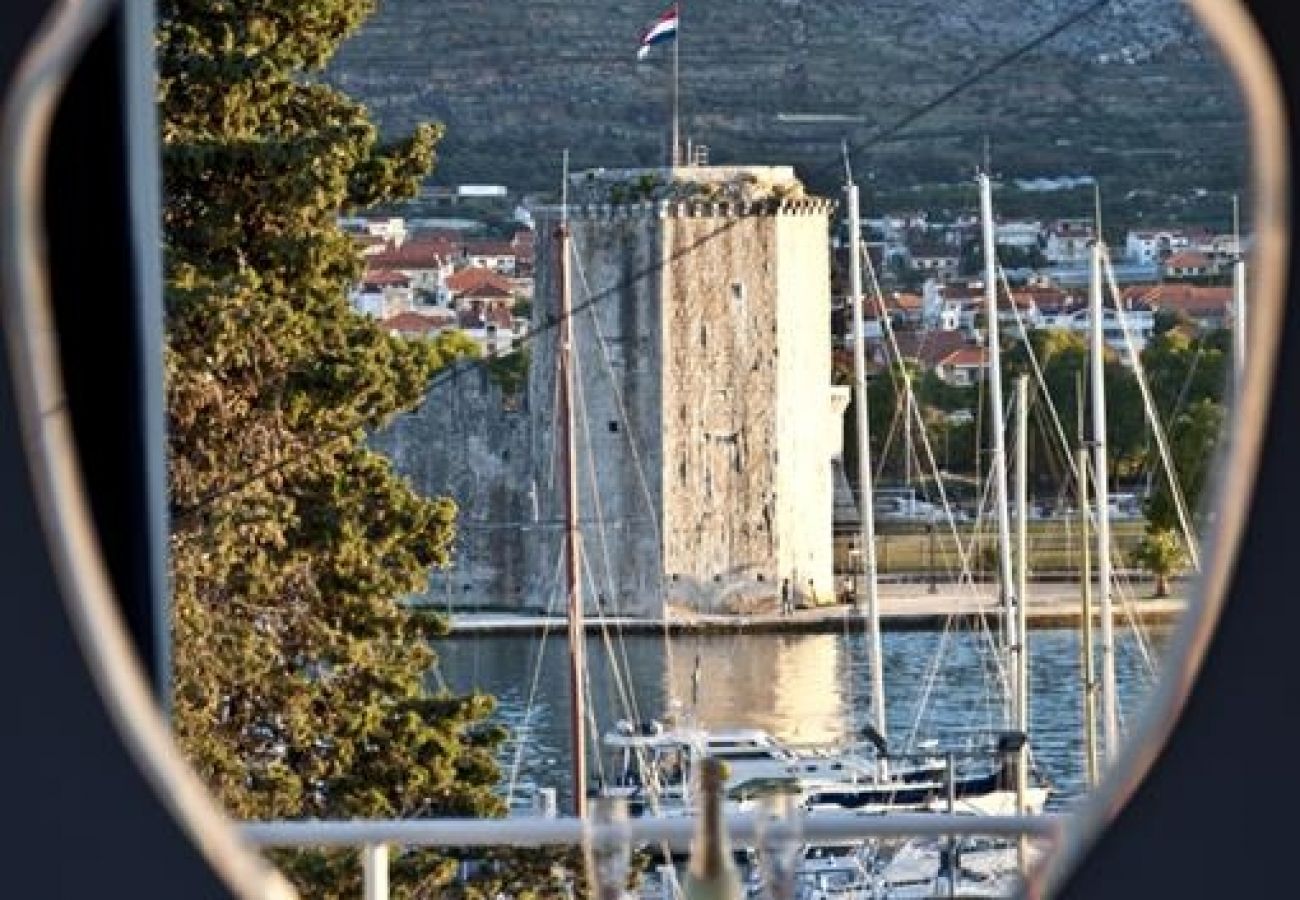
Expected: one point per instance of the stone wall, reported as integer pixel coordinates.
(719, 420)
(704, 418)
(702, 331)
(804, 406)
(469, 442)
(617, 290)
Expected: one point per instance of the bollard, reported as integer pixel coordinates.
(374, 872)
(712, 874)
(608, 863)
(779, 846)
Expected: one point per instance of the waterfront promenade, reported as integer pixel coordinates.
(903, 607)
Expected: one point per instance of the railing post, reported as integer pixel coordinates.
(374, 872)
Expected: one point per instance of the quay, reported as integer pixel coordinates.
(903, 607)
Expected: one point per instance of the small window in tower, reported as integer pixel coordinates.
(704, 335)
(613, 426)
(738, 292)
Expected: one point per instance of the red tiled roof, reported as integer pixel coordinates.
(385, 278)
(1188, 260)
(486, 291)
(1045, 295)
(421, 252)
(490, 248)
(1195, 300)
(965, 357)
(413, 323)
(904, 301)
(929, 347)
(476, 277)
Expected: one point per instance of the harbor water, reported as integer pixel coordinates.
(806, 688)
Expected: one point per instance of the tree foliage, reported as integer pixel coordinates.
(299, 683)
(1194, 439)
(1162, 554)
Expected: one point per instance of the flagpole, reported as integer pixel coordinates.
(677, 39)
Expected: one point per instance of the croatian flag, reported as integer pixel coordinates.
(664, 29)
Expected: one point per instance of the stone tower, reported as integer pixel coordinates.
(706, 418)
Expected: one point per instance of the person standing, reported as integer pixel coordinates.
(812, 593)
(787, 599)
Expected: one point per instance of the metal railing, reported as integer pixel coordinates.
(374, 838)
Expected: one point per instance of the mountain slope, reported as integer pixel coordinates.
(1133, 92)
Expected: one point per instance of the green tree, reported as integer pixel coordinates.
(1162, 554)
(1194, 440)
(1169, 319)
(299, 675)
(1182, 369)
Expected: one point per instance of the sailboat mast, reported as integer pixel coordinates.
(568, 459)
(999, 461)
(1238, 303)
(867, 527)
(1022, 593)
(1110, 712)
(1085, 639)
(1022, 550)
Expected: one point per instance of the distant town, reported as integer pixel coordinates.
(473, 272)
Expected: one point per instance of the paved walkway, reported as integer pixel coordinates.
(903, 607)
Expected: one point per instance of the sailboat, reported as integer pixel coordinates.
(925, 868)
(653, 762)
(988, 793)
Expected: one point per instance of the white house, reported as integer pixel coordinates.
(1139, 317)
(492, 327)
(1151, 245)
(1068, 241)
(499, 256)
(963, 366)
(382, 294)
(1023, 234)
(426, 260)
(1189, 264)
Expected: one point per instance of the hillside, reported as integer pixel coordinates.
(1133, 94)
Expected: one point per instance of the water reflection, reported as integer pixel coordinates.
(802, 688)
(787, 684)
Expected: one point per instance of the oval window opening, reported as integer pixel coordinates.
(1018, 289)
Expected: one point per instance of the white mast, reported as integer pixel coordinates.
(1238, 302)
(1022, 592)
(999, 461)
(867, 528)
(675, 157)
(1110, 712)
(1087, 661)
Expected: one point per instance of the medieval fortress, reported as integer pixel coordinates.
(707, 424)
